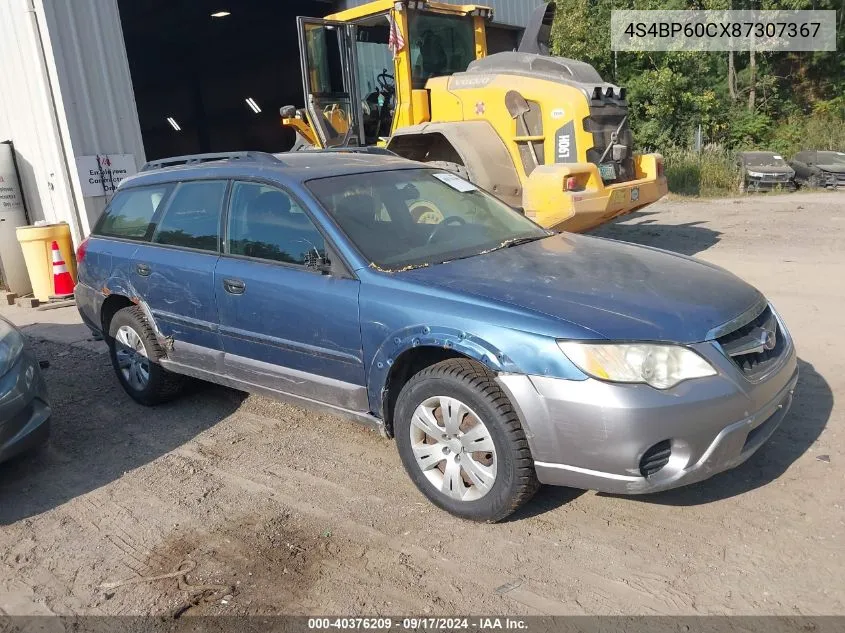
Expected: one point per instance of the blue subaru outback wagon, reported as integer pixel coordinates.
(499, 355)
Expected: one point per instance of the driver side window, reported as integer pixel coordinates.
(267, 223)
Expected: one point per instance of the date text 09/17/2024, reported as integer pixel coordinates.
(481, 624)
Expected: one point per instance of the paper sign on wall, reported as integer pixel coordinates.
(101, 174)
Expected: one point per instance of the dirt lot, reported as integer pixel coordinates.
(271, 509)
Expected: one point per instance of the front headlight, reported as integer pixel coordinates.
(661, 366)
(755, 174)
(11, 346)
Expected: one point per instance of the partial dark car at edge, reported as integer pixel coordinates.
(819, 169)
(24, 408)
(499, 355)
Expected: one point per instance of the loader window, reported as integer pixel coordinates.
(325, 64)
(376, 81)
(440, 45)
(326, 49)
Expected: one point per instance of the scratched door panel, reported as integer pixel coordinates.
(298, 326)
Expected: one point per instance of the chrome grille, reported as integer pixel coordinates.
(756, 346)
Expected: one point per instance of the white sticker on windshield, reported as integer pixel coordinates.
(778, 157)
(456, 182)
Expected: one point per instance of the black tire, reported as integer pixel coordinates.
(162, 385)
(472, 384)
(455, 168)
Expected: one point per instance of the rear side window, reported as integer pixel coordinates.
(192, 218)
(130, 214)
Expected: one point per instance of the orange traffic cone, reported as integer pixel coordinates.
(62, 281)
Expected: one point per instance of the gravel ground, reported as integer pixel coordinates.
(247, 506)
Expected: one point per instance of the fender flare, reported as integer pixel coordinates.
(477, 144)
(120, 285)
(462, 342)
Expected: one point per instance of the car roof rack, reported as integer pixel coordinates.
(380, 151)
(198, 159)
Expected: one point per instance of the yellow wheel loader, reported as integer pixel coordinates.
(544, 134)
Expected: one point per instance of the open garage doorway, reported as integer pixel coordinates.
(211, 75)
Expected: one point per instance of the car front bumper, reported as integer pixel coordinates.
(593, 435)
(754, 184)
(24, 409)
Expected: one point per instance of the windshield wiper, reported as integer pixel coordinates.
(518, 241)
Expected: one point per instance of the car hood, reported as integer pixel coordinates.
(619, 290)
(834, 169)
(770, 169)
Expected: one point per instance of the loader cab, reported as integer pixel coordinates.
(440, 45)
(365, 69)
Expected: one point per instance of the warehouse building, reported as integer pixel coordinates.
(92, 89)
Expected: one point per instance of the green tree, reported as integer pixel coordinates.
(783, 100)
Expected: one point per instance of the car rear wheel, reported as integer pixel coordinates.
(462, 443)
(135, 355)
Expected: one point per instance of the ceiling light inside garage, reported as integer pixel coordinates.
(173, 123)
(220, 14)
(253, 106)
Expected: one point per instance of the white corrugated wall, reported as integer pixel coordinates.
(27, 116)
(65, 91)
(86, 41)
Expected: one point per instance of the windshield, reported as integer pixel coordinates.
(440, 45)
(417, 217)
(763, 159)
(830, 158)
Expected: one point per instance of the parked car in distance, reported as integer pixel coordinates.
(499, 355)
(819, 169)
(765, 171)
(24, 408)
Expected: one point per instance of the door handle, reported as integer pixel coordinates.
(143, 269)
(234, 286)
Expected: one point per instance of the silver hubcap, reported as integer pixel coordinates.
(132, 358)
(453, 448)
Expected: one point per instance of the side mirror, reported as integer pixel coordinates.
(288, 112)
(324, 266)
(318, 262)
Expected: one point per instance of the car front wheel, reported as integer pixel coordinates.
(462, 443)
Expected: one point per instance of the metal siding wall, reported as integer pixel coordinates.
(27, 116)
(86, 42)
(65, 91)
(511, 12)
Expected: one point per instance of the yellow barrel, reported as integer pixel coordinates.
(36, 244)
